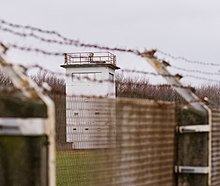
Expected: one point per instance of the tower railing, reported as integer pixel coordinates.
(90, 58)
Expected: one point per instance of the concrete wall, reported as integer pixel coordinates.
(84, 87)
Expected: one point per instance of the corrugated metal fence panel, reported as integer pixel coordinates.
(215, 155)
(134, 148)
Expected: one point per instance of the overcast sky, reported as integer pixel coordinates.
(188, 28)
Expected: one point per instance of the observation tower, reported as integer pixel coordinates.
(89, 75)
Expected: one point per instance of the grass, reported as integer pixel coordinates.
(73, 167)
(83, 167)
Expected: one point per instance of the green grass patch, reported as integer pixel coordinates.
(73, 168)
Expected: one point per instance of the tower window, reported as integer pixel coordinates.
(111, 77)
(84, 76)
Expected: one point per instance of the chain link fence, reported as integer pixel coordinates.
(215, 148)
(115, 142)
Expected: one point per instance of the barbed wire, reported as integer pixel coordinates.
(31, 34)
(123, 70)
(31, 28)
(128, 70)
(68, 41)
(74, 42)
(27, 68)
(201, 78)
(14, 91)
(28, 49)
(139, 84)
(186, 60)
(74, 76)
(77, 43)
(146, 73)
(36, 50)
(172, 76)
(195, 71)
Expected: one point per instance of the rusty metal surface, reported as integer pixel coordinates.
(127, 142)
(215, 166)
(90, 58)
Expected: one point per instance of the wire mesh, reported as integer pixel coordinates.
(115, 142)
(23, 157)
(123, 141)
(23, 160)
(215, 148)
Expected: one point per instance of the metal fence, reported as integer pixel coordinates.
(27, 148)
(89, 58)
(115, 142)
(215, 148)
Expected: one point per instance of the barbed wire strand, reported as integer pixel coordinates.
(37, 50)
(123, 70)
(195, 71)
(26, 69)
(31, 34)
(28, 49)
(76, 43)
(31, 28)
(44, 52)
(13, 90)
(186, 60)
(183, 75)
(201, 78)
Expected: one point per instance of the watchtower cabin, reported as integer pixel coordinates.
(90, 124)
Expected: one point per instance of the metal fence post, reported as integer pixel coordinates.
(26, 123)
(193, 164)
